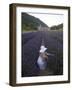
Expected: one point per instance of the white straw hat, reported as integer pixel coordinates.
(43, 49)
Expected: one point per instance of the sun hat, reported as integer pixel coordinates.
(42, 49)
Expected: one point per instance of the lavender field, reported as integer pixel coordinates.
(31, 43)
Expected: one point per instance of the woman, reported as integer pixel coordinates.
(42, 59)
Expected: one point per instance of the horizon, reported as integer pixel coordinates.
(48, 18)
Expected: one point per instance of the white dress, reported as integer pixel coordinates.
(41, 63)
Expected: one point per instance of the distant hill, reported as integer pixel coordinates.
(30, 22)
(57, 27)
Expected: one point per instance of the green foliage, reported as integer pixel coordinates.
(30, 22)
(57, 27)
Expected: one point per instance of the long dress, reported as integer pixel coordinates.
(41, 63)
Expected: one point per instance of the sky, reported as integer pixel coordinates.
(49, 18)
